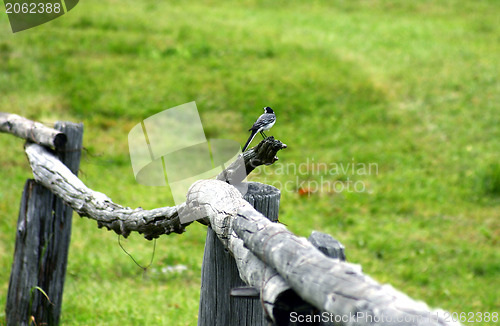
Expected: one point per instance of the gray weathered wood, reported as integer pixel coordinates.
(205, 198)
(262, 154)
(327, 245)
(331, 285)
(50, 172)
(245, 292)
(265, 252)
(220, 271)
(36, 202)
(219, 276)
(331, 248)
(32, 131)
(42, 243)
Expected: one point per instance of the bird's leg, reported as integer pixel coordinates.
(263, 134)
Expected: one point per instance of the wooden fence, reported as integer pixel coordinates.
(255, 271)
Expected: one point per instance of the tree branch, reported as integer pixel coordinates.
(54, 175)
(32, 131)
(262, 154)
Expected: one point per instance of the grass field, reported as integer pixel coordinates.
(411, 87)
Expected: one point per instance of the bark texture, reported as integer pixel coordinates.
(54, 175)
(329, 284)
(32, 131)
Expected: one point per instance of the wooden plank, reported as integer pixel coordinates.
(57, 233)
(36, 204)
(219, 276)
(44, 232)
(220, 273)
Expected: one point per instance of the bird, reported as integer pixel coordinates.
(263, 123)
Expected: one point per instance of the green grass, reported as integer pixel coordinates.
(410, 86)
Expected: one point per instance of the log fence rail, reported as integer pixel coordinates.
(275, 275)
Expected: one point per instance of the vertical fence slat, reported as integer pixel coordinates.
(42, 243)
(35, 204)
(220, 274)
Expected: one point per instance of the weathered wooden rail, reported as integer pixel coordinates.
(291, 276)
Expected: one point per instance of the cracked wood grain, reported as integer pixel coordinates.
(329, 284)
(219, 202)
(32, 131)
(262, 154)
(265, 251)
(50, 172)
(54, 175)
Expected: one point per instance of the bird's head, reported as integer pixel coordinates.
(268, 110)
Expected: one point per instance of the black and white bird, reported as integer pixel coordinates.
(263, 123)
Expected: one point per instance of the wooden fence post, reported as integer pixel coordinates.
(327, 244)
(42, 242)
(220, 275)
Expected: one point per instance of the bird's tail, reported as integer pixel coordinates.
(252, 135)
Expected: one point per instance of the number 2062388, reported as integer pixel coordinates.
(33, 8)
